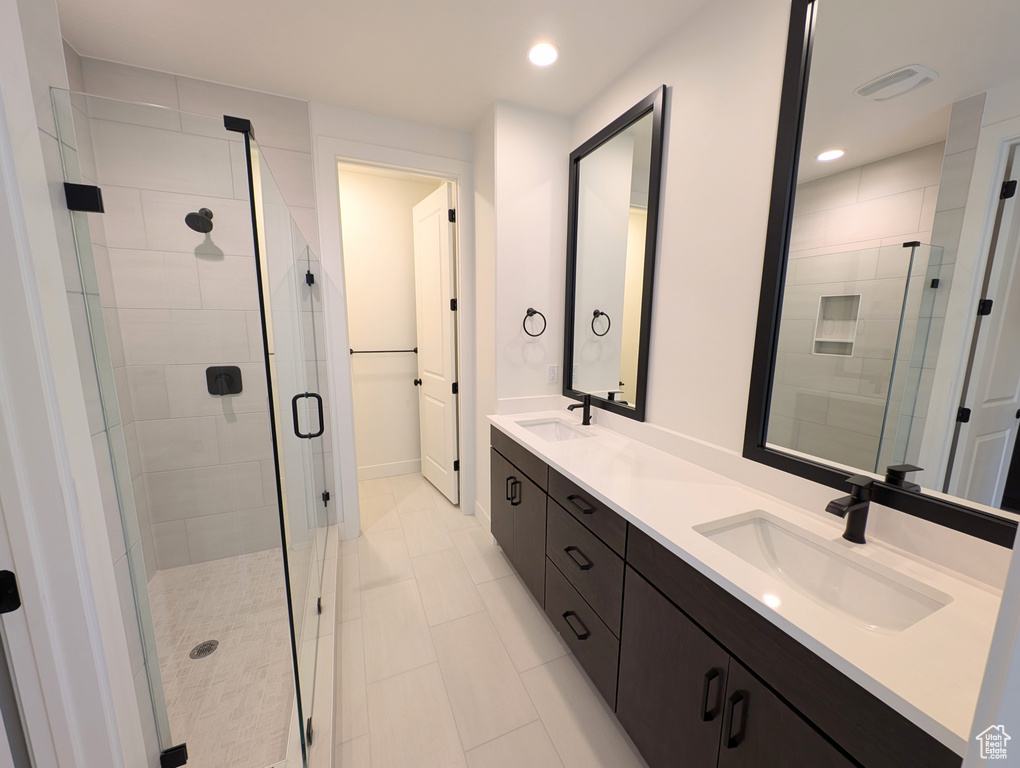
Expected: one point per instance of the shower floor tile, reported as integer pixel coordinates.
(233, 707)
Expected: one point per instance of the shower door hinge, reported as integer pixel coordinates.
(453, 305)
(456, 465)
(318, 606)
(935, 282)
(308, 731)
(1008, 190)
(309, 277)
(963, 415)
(984, 307)
(10, 597)
(83, 197)
(453, 216)
(174, 757)
(325, 498)
(455, 388)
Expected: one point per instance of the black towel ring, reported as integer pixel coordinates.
(595, 316)
(524, 323)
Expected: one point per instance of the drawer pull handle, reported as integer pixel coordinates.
(515, 492)
(509, 482)
(584, 634)
(708, 715)
(733, 740)
(584, 563)
(586, 509)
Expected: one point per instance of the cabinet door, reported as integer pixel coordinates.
(528, 502)
(761, 731)
(501, 476)
(672, 681)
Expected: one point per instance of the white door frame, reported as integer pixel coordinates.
(329, 152)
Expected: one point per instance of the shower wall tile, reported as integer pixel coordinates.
(186, 493)
(123, 223)
(259, 529)
(141, 502)
(217, 337)
(108, 490)
(213, 537)
(151, 158)
(131, 443)
(278, 121)
(906, 171)
(828, 192)
(120, 379)
(956, 174)
(147, 336)
(119, 81)
(228, 283)
(890, 215)
(292, 172)
(245, 437)
(155, 280)
(86, 364)
(170, 543)
(856, 414)
(122, 573)
(170, 444)
(149, 554)
(147, 392)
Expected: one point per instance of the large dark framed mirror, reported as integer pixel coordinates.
(613, 219)
(889, 317)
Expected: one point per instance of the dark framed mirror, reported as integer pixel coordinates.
(889, 316)
(613, 219)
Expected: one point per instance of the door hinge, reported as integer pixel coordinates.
(453, 305)
(456, 465)
(10, 597)
(83, 197)
(963, 415)
(1008, 190)
(325, 498)
(318, 606)
(308, 731)
(309, 277)
(452, 216)
(984, 307)
(174, 757)
(456, 388)
(935, 282)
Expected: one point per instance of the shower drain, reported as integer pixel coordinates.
(202, 650)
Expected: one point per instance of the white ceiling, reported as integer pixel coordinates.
(974, 45)
(439, 62)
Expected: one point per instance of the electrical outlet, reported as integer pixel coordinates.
(554, 373)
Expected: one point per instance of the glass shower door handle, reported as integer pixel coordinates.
(294, 411)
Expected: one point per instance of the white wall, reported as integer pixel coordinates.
(485, 296)
(378, 243)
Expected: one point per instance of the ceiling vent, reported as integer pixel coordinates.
(896, 83)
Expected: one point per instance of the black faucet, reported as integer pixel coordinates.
(854, 508)
(586, 404)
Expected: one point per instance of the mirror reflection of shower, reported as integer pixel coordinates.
(202, 222)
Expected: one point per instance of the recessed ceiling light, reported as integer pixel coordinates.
(831, 154)
(543, 54)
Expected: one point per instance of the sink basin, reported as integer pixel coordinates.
(872, 595)
(554, 430)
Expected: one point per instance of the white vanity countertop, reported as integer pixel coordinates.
(930, 672)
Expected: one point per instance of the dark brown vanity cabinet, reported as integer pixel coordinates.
(681, 693)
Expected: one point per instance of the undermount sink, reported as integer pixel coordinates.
(553, 429)
(872, 595)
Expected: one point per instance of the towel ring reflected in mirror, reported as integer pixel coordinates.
(524, 324)
(595, 316)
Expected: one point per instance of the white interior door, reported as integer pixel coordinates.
(986, 442)
(434, 280)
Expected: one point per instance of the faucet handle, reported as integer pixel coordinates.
(897, 475)
(860, 487)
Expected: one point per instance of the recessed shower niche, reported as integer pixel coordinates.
(836, 329)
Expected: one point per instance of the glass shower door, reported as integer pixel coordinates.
(300, 418)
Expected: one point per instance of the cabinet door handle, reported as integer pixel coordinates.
(509, 487)
(585, 510)
(584, 563)
(515, 496)
(739, 698)
(708, 715)
(584, 634)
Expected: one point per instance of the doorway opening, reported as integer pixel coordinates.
(398, 231)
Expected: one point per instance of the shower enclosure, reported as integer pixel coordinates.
(206, 335)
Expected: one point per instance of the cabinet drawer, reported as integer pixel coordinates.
(594, 515)
(590, 640)
(520, 457)
(593, 569)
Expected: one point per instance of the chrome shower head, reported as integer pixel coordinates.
(200, 221)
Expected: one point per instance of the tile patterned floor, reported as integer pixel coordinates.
(233, 708)
(445, 659)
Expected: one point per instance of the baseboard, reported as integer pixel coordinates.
(374, 471)
(483, 516)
